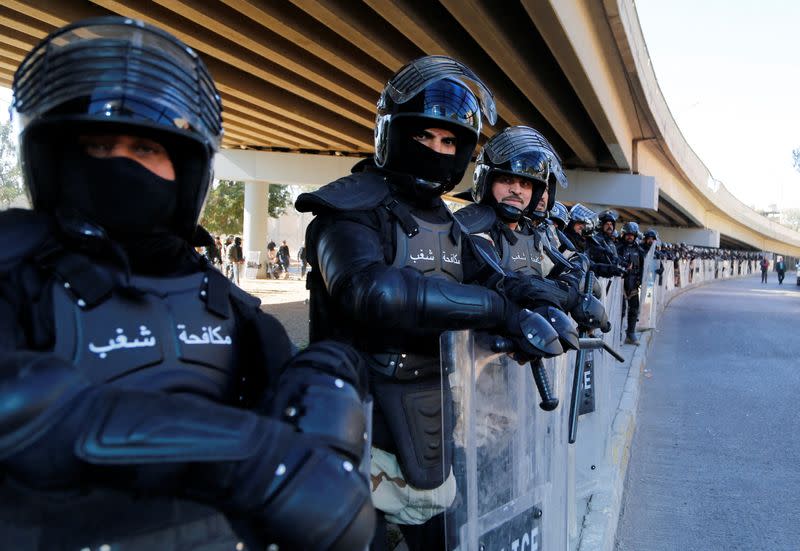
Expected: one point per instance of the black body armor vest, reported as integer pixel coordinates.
(524, 256)
(431, 251)
(164, 338)
(159, 335)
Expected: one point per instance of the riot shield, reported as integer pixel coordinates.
(510, 457)
(647, 295)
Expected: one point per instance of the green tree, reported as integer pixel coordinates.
(10, 175)
(280, 199)
(224, 212)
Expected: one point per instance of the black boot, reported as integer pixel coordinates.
(631, 338)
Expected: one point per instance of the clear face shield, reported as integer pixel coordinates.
(119, 70)
(585, 216)
(524, 152)
(443, 101)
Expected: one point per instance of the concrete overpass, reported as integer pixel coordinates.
(299, 81)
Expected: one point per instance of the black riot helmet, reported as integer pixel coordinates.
(524, 152)
(630, 228)
(651, 233)
(584, 215)
(608, 215)
(560, 215)
(114, 76)
(431, 92)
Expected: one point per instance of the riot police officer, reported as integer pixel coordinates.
(558, 218)
(514, 188)
(580, 228)
(581, 233)
(136, 382)
(632, 257)
(651, 240)
(604, 249)
(388, 271)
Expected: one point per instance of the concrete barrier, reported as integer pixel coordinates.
(604, 437)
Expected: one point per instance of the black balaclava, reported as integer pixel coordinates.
(428, 165)
(431, 174)
(132, 204)
(118, 193)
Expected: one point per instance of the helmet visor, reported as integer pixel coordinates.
(121, 72)
(422, 73)
(524, 151)
(447, 100)
(579, 213)
(531, 164)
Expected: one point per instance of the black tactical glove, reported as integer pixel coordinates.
(532, 335)
(567, 332)
(591, 314)
(607, 270)
(534, 291)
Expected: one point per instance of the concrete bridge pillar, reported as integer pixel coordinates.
(256, 217)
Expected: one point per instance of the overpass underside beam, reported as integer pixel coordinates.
(609, 188)
(701, 237)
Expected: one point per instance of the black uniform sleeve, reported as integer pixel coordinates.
(11, 334)
(355, 273)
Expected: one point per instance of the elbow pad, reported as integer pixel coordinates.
(405, 299)
(321, 393)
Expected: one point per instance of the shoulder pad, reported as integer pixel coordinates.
(21, 234)
(359, 191)
(476, 218)
(248, 300)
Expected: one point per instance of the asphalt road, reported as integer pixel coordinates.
(715, 462)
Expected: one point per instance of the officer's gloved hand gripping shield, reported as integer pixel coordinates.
(509, 455)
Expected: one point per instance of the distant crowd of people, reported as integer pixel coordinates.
(229, 257)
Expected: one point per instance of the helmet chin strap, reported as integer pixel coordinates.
(508, 213)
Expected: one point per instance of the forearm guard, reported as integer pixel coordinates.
(34, 391)
(355, 273)
(60, 433)
(256, 469)
(403, 298)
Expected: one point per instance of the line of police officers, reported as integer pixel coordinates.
(139, 389)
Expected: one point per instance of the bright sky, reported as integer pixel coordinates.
(730, 72)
